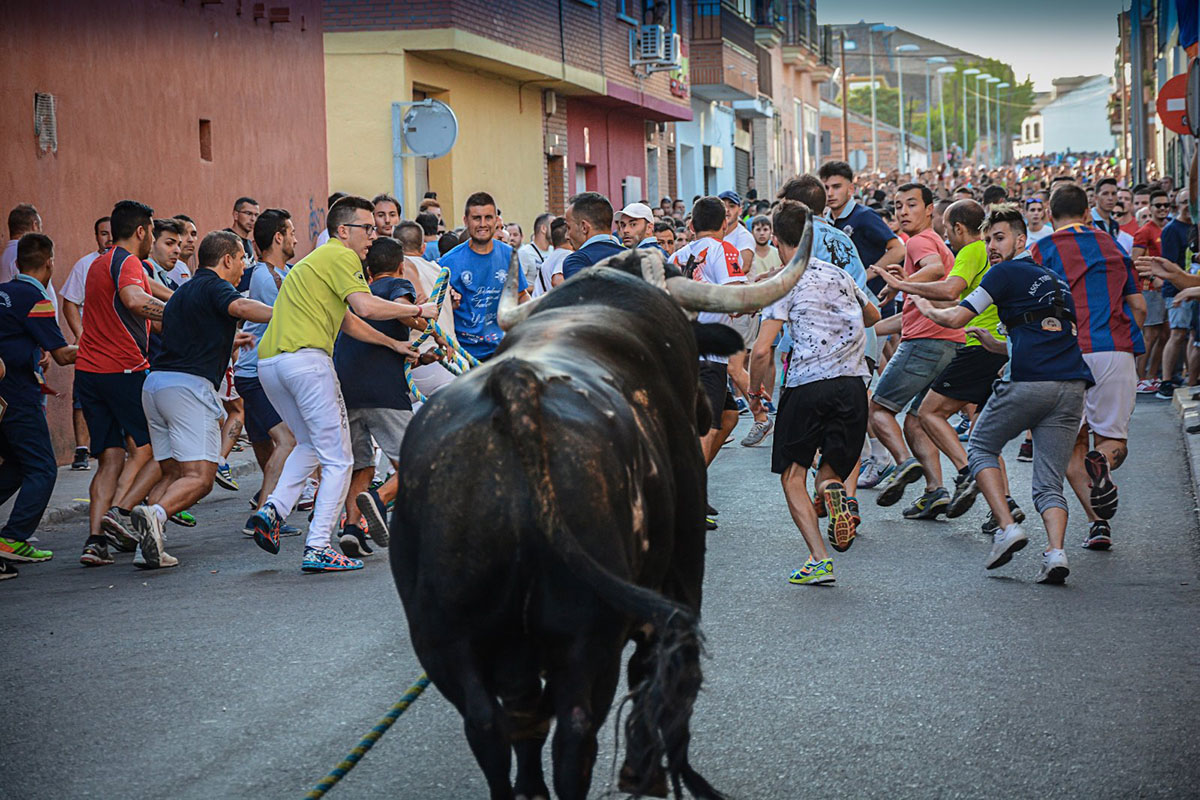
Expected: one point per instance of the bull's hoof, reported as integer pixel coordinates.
(545, 796)
(630, 783)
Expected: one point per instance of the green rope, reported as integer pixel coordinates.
(457, 360)
(368, 741)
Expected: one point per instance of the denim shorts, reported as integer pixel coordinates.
(909, 373)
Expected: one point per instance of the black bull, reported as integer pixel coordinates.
(551, 508)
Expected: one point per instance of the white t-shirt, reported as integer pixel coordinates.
(1033, 237)
(531, 257)
(73, 286)
(182, 272)
(543, 281)
(8, 262)
(718, 263)
(322, 238)
(741, 238)
(428, 272)
(824, 314)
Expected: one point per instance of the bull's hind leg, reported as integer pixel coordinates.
(583, 692)
(530, 725)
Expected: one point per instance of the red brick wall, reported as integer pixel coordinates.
(132, 82)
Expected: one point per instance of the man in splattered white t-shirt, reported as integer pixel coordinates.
(824, 401)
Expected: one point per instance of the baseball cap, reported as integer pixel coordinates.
(731, 196)
(635, 211)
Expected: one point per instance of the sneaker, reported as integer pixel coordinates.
(1026, 452)
(7, 570)
(963, 426)
(1104, 492)
(769, 407)
(710, 524)
(1165, 391)
(16, 550)
(990, 526)
(224, 477)
(81, 460)
(841, 519)
(354, 542)
(929, 505)
(289, 530)
(893, 488)
(95, 554)
(183, 518)
(374, 513)
(742, 406)
(965, 492)
(1099, 536)
(1147, 386)
(872, 472)
(326, 559)
(758, 432)
(852, 503)
(254, 501)
(712, 512)
(813, 572)
(1017, 514)
(1054, 568)
(1004, 544)
(265, 523)
(151, 552)
(308, 496)
(117, 534)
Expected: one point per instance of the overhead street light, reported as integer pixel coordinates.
(904, 48)
(966, 72)
(871, 63)
(929, 110)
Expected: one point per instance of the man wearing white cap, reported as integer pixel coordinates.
(635, 223)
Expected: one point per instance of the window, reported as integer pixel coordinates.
(206, 140)
(1037, 131)
(625, 10)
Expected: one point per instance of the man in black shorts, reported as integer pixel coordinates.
(824, 401)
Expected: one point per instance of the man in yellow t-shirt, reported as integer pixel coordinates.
(321, 296)
(966, 383)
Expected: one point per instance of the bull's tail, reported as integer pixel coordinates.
(664, 699)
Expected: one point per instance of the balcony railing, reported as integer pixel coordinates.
(800, 24)
(714, 21)
(770, 14)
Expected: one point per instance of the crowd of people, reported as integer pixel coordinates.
(943, 316)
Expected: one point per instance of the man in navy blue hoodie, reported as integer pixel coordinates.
(589, 227)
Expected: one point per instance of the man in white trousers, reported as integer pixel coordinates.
(321, 295)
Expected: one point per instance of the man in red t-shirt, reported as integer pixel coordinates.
(925, 350)
(1148, 240)
(110, 370)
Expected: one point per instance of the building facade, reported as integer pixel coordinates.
(182, 105)
(551, 98)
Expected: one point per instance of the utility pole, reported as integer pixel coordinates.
(845, 104)
(874, 131)
(1137, 97)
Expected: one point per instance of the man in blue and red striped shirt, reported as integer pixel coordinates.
(1109, 310)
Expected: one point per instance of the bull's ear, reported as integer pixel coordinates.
(715, 339)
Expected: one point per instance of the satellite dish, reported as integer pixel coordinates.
(430, 129)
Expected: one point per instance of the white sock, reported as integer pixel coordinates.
(879, 451)
(160, 512)
(1060, 551)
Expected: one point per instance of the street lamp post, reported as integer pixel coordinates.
(992, 155)
(929, 109)
(874, 118)
(942, 99)
(1000, 137)
(966, 139)
(983, 76)
(904, 48)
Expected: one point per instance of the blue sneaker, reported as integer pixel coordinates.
(326, 559)
(769, 406)
(742, 406)
(224, 477)
(265, 523)
(289, 530)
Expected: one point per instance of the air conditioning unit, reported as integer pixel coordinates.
(647, 45)
(672, 55)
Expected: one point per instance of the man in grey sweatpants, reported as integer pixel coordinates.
(1042, 389)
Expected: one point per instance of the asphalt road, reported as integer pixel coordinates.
(918, 675)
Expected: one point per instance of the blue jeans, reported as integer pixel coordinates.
(29, 468)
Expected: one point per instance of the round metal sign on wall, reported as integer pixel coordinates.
(430, 128)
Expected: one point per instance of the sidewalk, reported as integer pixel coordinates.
(1189, 414)
(70, 498)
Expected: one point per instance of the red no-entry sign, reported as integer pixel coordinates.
(1172, 104)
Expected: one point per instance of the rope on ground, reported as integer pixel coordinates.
(368, 741)
(457, 360)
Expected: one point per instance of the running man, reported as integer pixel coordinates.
(296, 370)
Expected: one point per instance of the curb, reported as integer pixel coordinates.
(64, 513)
(1189, 413)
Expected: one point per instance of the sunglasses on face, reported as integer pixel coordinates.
(1160, 205)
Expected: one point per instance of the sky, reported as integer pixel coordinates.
(1044, 39)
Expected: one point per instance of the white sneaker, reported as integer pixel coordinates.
(151, 552)
(1054, 567)
(873, 471)
(1005, 542)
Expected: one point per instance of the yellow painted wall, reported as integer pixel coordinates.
(499, 147)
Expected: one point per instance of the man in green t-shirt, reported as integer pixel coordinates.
(967, 382)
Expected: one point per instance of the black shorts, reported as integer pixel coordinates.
(714, 377)
(112, 408)
(830, 415)
(969, 377)
(261, 416)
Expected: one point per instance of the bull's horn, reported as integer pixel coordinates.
(742, 298)
(653, 269)
(511, 310)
